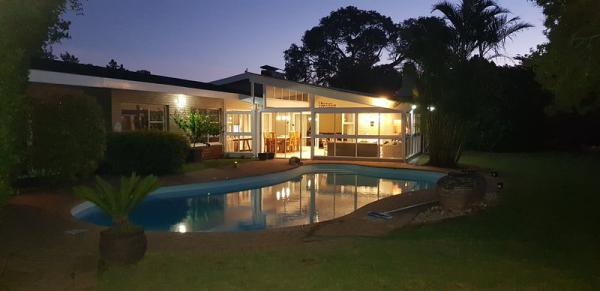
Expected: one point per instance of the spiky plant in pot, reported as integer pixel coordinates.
(123, 243)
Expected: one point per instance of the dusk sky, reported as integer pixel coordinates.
(208, 40)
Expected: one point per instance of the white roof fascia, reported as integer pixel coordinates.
(50, 77)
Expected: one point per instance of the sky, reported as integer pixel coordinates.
(209, 40)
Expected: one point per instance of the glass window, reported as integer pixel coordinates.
(391, 149)
(325, 123)
(345, 147)
(391, 123)
(346, 123)
(242, 143)
(143, 117)
(368, 124)
(367, 148)
(239, 122)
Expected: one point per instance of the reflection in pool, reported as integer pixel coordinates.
(308, 198)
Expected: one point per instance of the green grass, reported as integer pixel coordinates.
(219, 163)
(544, 236)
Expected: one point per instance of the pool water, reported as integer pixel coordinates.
(322, 193)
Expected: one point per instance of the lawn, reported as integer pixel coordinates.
(544, 236)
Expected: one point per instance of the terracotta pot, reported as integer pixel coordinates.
(122, 248)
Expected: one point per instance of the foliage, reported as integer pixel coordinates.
(119, 202)
(114, 65)
(479, 25)
(458, 82)
(68, 137)
(569, 65)
(145, 152)
(26, 26)
(512, 118)
(348, 44)
(197, 126)
(69, 58)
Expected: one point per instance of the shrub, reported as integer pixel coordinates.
(197, 126)
(146, 152)
(68, 137)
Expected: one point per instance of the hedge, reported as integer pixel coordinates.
(67, 137)
(145, 152)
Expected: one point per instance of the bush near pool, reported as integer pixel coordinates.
(146, 152)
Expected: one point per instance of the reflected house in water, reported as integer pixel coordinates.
(308, 199)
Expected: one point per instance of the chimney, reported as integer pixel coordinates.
(271, 71)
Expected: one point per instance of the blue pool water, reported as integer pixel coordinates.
(304, 195)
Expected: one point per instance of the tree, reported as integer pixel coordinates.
(454, 75)
(349, 43)
(26, 28)
(568, 64)
(197, 126)
(69, 58)
(480, 26)
(114, 65)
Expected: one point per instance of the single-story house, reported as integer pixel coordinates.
(259, 112)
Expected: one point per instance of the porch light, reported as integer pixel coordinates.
(382, 102)
(181, 101)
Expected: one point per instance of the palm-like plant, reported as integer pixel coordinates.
(118, 202)
(480, 26)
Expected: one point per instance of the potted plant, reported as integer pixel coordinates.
(123, 243)
(198, 127)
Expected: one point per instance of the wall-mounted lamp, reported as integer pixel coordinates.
(431, 108)
(181, 101)
(413, 107)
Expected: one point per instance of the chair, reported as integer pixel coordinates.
(269, 141)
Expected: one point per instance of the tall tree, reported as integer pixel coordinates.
(569, 64)
(26, 28)
(454, 74)
(348, 43)
(481, 26)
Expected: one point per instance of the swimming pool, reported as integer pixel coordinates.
(303, 195)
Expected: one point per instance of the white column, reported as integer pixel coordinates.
(313, 128)
(255, 128)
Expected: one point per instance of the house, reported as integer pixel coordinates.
(259, 112)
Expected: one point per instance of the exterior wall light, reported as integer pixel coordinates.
(413, 107)
(181, 101)
(431, 108)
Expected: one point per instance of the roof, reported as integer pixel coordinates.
(246, 75)
(97, 71)
(270, 68)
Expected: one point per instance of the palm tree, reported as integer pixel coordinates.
(480, 26)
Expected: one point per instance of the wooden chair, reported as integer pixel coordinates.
(269, 142)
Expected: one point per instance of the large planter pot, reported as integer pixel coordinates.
(458, 191)
(206, 152)
(122, 248)
(262, 156)
(456, 199)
